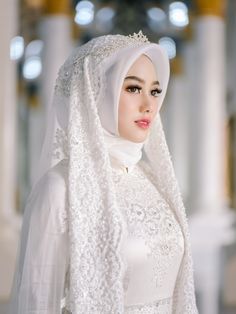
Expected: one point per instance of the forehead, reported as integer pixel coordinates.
(142, 60)
(142, 66)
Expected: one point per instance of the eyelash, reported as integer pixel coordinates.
(133, 88)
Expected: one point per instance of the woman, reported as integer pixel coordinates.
(105, 229)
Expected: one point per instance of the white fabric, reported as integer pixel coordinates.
(44, 256)
(153, 246)
(124, 152)
(91, 220)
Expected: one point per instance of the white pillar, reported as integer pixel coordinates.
(209, 116)
(189, 68)
(8, 116)
(8, 146)
(56, 33)
(210, 224)
(178, 124)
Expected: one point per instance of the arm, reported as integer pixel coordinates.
(43, 258)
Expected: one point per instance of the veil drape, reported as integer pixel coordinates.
(73, 229)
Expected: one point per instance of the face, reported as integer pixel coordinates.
(139, 100)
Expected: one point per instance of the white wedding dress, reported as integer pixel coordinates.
(152, 248)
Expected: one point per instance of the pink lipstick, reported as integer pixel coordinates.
(143, 123)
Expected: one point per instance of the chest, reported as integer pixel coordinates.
(146, 213)
(154, 244)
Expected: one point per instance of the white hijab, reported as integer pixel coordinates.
(123, 152)
(85, 232)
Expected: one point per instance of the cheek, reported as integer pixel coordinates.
(125, 107)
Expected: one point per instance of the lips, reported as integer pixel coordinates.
(143, 123)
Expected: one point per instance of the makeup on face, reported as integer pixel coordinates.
(138, 103)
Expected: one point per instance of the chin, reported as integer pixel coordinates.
(136, 136)
(137, 139)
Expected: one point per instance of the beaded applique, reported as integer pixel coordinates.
(151, 220)
(98, 51)
(163, 306)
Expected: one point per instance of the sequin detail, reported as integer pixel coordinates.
(98, 51)
(151, 220)
(163, 306)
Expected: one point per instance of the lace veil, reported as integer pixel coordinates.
(85, 234)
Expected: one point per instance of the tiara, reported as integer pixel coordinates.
(139, 37)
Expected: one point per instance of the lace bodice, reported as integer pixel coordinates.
(153, 247)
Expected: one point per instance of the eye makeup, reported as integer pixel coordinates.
(136, 89)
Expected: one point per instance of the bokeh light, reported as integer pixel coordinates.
(169, 45)
(32, 68)
(84, 13)
(178, 14)
(17, 47)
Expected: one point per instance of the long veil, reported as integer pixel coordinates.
(72, 228)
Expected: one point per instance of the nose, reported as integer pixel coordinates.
(146, 105)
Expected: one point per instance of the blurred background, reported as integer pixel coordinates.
(199, 115)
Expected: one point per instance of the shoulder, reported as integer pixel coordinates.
(52, 183)
(47, 203)
(56, 181)
(51, 190)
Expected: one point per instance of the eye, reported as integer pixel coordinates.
(156, 92)
(133, 89)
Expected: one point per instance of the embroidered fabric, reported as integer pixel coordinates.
(92, 220)
(153, 246)
(163, 306)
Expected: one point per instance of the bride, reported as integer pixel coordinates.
(105, 229)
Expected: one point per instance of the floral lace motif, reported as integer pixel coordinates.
(60, 145)
(149, 219)
(97, 50)
(163, 306)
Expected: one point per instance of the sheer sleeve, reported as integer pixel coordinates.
(42, 265)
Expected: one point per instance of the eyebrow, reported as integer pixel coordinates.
(132, 77)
